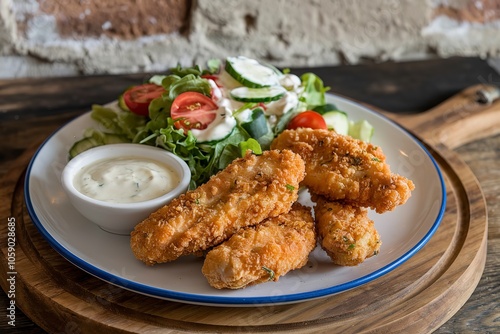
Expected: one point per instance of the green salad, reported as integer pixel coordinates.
(210, 115)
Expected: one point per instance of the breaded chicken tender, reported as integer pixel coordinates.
(245, 193)
(343, 168)
(345, 232)
(264, 252)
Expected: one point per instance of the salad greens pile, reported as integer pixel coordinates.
(212, 124)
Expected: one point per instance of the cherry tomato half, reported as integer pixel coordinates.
(137, 98)
(308, 119)
(193, 110)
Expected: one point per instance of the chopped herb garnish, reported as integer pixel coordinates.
(376, 159)
(352, 246)
(290, 187)
(270, 272)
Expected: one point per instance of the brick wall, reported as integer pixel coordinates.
(126, 20)
(70, 37)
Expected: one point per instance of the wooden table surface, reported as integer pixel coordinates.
(31, 109)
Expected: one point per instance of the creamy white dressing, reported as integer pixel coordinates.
(230, 103)
(222, 126)
(215, 91)
(244, 116)
(288, 102)
(125, 180)
(290, 81)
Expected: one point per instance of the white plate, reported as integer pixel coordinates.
(403, 231)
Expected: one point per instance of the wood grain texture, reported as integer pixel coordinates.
(481, 314)
(419, 296)
(457, 121)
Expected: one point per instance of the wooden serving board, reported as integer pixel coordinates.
(419, 296)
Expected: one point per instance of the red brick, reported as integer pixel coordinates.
(477, 11)
(123, 19)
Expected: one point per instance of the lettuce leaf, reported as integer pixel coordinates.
(118, 122)
(314, 90)
(250, 144)
(184, 146)
(204, 160)
(189, 83)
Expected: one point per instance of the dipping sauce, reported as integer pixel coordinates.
(125, 180)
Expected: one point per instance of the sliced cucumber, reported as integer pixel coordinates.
(110, 138)
(362, 130)
(83, 145)
(257, 124)
(97, 139)
(266, 94)
(251, 73)
(337, 120)
(325, 108)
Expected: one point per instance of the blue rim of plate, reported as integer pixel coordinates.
(236, 301)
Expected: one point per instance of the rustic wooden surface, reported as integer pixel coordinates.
(31, 109)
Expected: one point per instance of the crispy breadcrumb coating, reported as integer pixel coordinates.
(245, 193)
(343, 168)
(345, 232)
(264, 252)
